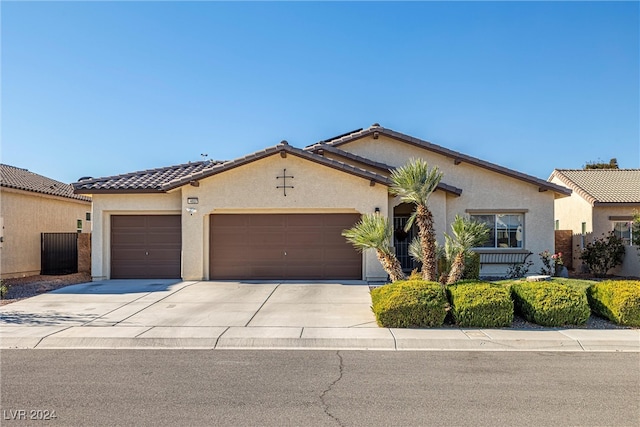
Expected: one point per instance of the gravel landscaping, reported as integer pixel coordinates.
(25, 287)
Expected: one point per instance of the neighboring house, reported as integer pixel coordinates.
(31, 204)
(603, 200)
(279, 213)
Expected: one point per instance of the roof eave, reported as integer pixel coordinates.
(120, 191)
(616, 204)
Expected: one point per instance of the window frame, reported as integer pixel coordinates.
(496, 213)
(628, 241)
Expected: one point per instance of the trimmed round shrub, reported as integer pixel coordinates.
(481, 305)
(409, 304)
(551, 303)
(616, 300)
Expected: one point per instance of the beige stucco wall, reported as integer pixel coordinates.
(105, 205)
(482, 189)
(24, 216)
(572, 211)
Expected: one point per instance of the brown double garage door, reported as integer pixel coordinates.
(282, 246)
(256, 246)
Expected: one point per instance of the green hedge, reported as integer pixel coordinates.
(409, 304)
(472, 267)
(616, 300)
(551, 304)
(481, 305)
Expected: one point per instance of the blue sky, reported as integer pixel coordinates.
(97, 89)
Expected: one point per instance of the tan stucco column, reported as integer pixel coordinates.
(193, 252)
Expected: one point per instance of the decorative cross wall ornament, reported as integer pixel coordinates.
(284, 185)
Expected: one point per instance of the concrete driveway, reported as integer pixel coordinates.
(231, 315)
(164, 303)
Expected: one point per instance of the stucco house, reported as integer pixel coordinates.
(602, 200)
(31, 204)
(278, 213)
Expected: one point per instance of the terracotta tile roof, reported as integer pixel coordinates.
(168, 178)
(22, 179)
(384, 168)
(146, 181)
(454, 155)
(599, 186)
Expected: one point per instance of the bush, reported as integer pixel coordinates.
(481, 305)
(409, 304)
(471, 267)
(616, 300)
(603, 254)
(551, 303)
(4, 290)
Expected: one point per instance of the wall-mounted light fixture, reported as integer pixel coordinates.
(192, 200)
(377, 210)
(191, 210)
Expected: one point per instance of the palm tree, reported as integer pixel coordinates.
(444, 256)
(467, 234)
(374, 232)
(414, 183)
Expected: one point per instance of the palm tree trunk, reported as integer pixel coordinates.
(391, 265)
(424, 220)
(457, 269)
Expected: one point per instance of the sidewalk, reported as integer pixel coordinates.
(231, 315)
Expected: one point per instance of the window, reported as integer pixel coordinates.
(506, 230)
(623, 230)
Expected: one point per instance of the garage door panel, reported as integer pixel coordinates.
(124, 238)
(133, 255)
(314, 246)
(146, 246)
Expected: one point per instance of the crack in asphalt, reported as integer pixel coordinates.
(323, 395)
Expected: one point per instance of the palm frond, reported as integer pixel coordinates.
(415, 181)
(467, 234)
(371, 232)
(415, 249)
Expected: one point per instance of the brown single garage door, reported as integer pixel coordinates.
(283, 246)
(145, 246)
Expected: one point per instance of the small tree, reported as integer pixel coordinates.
(374, 232)
(613, 164)
(466, 235)
(414, 183)
(635, 232)
(603, 254)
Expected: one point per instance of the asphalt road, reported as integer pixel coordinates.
(319, 388)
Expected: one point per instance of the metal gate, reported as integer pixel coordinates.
(59, 253)
(402, 240)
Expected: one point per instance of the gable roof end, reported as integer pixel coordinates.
(386, 169)
(602, 186)
(455, 155)
(22, 179)
(283, 147)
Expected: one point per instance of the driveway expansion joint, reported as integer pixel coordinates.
(48, 335)
(262, 305)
